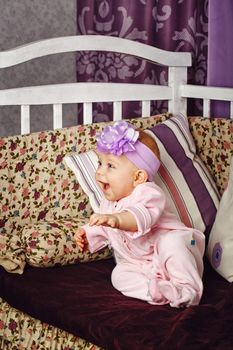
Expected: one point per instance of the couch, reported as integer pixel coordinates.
(54, 296)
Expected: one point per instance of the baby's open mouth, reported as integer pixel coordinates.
(105, 186)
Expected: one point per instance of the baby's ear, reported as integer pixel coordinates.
(140, 177)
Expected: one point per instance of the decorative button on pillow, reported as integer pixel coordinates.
(192, 193)
(220, 246)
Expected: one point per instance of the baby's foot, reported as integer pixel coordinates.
(178, 296)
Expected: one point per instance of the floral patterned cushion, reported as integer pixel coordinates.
(36, 186)
(214, 141)
(52, 243)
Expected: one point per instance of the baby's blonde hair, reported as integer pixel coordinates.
(149, 141)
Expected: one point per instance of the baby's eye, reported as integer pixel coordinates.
(110, 165)
(99, 163)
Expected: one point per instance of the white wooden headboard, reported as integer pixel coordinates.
(176, 92)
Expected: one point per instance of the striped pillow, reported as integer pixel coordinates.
(84, 166)
(189, 187)
(190, 190)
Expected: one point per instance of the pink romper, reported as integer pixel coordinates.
(162, 262)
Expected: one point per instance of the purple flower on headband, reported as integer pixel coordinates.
(117, 139)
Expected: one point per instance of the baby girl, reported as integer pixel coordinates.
(158, 259)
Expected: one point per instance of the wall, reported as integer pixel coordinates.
(30, 20)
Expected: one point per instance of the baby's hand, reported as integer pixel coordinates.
(80, 238)
(104, 220)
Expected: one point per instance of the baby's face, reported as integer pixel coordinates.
(115, 175)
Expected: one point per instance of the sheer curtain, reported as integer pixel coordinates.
(171, 25)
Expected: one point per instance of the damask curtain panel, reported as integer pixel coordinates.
(180, 25)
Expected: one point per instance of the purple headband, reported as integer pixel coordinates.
(121, 138)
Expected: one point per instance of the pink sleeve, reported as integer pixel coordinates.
(97, 237)
(149, 204)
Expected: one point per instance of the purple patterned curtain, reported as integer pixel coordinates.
(220, 51)
(170, 25)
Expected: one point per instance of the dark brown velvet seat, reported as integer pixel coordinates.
(81, 300)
